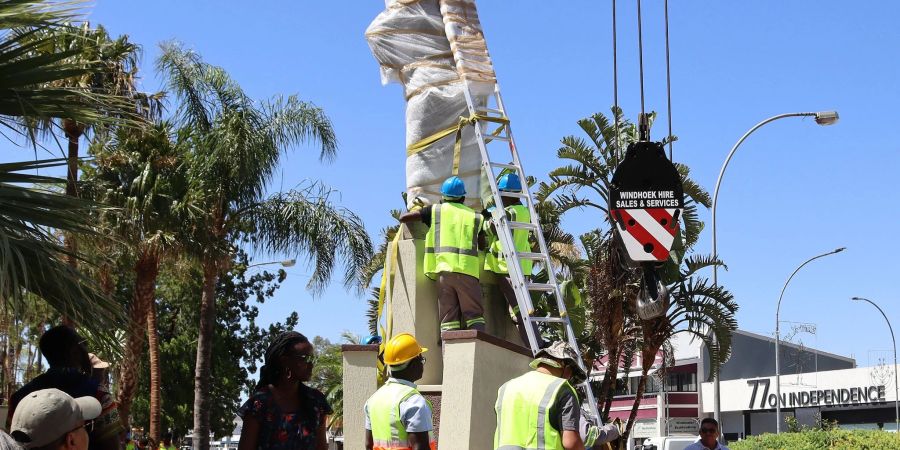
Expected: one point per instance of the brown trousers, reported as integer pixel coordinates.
(459, 302)
(509, 294)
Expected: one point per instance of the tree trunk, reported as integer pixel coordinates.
(612, 373)
(204, 354)
(609, 377)
(73, 131)
(146, 270)
(153, 349)
(155, 373)
(642, 384)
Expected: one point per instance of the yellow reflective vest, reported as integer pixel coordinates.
(493, 259)
(383, 406)
(451, 244)
(523, 412)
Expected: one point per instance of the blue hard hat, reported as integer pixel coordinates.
(453, 187)
(510, 182)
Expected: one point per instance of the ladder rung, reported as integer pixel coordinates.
(514, 194)
(505, 166)
(488, 110)
(531, 255)
(522, 226)
(491, 138)
(546, 287)
(548, 319)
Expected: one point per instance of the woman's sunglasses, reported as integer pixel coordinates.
(309, 359)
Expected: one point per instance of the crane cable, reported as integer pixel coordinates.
(641, 56)
(668, 80)
(616, 85)
(641, 68)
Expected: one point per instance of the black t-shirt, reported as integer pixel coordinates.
(76, 384)
(565, 413)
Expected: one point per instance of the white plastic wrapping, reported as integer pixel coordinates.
(409, 41)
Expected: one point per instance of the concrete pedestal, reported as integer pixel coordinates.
(360, 382)
(475, 365)
(461, 377)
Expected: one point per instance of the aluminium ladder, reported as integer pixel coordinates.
(522, 286)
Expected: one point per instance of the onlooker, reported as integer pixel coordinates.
(70, 371)
(99, 370)
(129, 442)
(709, 436)
(51, 419)
(166, 443)
(284, 413)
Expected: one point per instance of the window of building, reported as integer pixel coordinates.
(676, 382)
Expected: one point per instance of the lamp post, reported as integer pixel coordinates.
(896, 386)
(822, 118)
(286, 263)
(778, 336)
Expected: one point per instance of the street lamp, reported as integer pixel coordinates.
(822, 118)
(896, 386)
(778, 336)
(286, 263)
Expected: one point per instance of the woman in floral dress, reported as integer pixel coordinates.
(284, 413)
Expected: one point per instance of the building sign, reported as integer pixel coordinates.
(644, 428)
(763, 398)
(683, 425)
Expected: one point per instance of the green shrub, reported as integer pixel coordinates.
(811, 439)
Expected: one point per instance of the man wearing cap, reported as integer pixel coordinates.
(451, 256)
(70, 371)
(50, 419)
(541, 409)
(397, 415)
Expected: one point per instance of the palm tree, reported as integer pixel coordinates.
(236, 145)
(585, 182)
(141, 171)
(33, 90)
(698, 308)
(116, 75)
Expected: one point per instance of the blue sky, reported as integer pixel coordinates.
(794, 189)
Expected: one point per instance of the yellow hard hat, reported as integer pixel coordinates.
(402, 348)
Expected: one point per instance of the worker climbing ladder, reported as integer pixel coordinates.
(493, 134)
(437, 50)
(492, 127)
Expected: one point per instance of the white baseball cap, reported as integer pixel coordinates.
(46, 415)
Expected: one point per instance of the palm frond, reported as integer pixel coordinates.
(308, 222)
(32, 259)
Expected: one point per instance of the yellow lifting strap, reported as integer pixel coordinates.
(463, 122)
(387, 286)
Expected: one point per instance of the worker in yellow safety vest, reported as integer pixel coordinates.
(451, 256)
(495, 262)
(541, 408)
(398, 417)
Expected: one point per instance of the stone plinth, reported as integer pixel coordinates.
(360, 382)
(462, 376)
(475, 365)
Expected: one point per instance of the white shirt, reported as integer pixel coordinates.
(415, 414)
(699, 446)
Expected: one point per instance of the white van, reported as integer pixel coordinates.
(667, 443)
